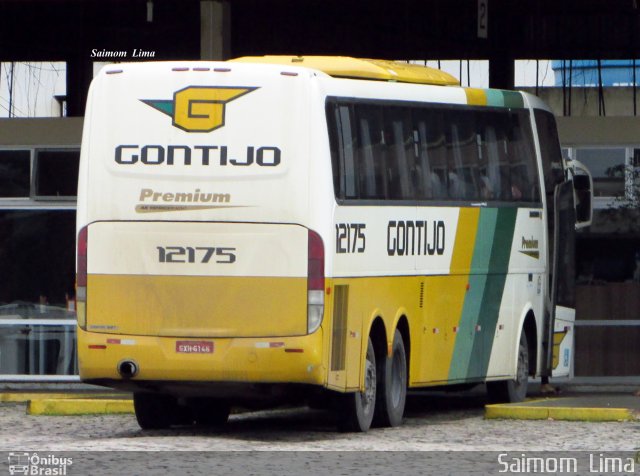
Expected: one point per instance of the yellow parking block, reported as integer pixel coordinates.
(523, 412)
(79, 406)
(23, 397)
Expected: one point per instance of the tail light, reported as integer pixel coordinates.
(81, 278)
(315, 282)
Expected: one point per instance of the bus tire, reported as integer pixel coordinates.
(392, 386)
(154, 411)
(513, 391)
(357, 409)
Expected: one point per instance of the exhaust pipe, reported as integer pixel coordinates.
(128, 369)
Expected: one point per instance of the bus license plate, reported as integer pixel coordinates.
(194, 347)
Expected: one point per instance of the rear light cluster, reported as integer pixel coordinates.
(315, 282)
(81, 279)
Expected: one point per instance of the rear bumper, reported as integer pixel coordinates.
(296, 360)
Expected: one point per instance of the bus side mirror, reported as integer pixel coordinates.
(582, 193)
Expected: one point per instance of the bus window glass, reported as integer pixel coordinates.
(552, 168)
(462, 155)
(398, 139)
(502, 132)
(372, 168)
(342, 150)
(334, 144)
(432, 158)
(490, 177)
(348, 153)
(524, 176)
(430, 152)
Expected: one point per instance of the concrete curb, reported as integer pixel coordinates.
(79, 406)
(523, 412)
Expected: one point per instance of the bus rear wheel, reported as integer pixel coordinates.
(357, 409)
(210, 412)
(392, 387)
(154, 411)
(513, 391)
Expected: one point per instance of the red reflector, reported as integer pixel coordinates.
(100, 347)
(81, 276)
(315, 269)
(294, 351)
(113, 341)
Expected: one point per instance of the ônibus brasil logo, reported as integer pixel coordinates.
(21, 463)
(198, 108)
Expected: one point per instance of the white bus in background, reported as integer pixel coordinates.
(322, 229)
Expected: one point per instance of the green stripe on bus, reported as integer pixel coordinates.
(495, 98)
(494, 288)
(513, 99)
(461, 362)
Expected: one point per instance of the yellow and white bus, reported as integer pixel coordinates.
(273, 228)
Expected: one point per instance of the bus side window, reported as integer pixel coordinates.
(493, 161)
(486, 188)
(552, 167)
(400, 152)
(371, 157)
(463, 157)
(366, 161)
(432, 153)
(524, 175)
(335, 143)
(347, 153)
(342, 143)
(502, 156)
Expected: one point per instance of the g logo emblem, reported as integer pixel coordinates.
(198, 108)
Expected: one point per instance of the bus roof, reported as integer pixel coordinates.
(347, 67)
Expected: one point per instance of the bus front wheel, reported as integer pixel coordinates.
(513, 391)
(357, 409)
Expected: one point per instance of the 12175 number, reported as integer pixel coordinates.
(198, 254)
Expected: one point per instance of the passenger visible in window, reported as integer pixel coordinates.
(517, 185)
(486, 188)
(516, 193)
(456, 187)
